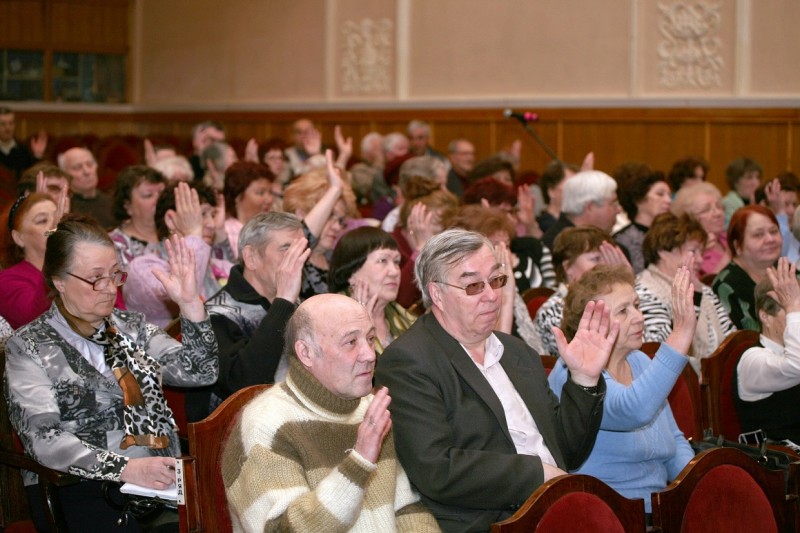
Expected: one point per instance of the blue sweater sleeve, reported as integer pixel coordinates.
(683, 450)
(631, 407)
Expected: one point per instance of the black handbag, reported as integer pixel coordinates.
(767, 457)
(153, 515)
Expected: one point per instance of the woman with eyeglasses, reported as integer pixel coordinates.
(83, 381)
(23, 294)
(324, 201)
(703, 203)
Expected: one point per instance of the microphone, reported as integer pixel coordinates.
(524, 116)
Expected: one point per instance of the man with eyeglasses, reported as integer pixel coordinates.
(475, 425)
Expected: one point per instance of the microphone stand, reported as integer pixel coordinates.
(537, 138)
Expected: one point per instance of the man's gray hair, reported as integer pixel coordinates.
(424, 166)
(390, 140)
(585, 187)
(208, 124)
(259, 229)
(369, 138)
(62, 157)
(215, 152)
(419, 124)
(441, 253)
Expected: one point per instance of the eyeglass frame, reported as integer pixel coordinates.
(501, 278)
(123, 278)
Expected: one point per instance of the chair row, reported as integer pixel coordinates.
(720, 489)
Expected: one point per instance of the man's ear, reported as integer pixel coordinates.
(249, 257)
(304, 353)
(435, 292)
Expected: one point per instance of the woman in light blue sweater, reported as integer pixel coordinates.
(639, 448)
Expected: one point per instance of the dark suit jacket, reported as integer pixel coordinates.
(451, 433)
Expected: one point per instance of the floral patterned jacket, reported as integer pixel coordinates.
(68, 413)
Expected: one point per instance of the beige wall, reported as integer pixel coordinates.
(279, 52)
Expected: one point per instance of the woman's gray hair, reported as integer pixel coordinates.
(585, 187)
(259, 229)
(443, 252)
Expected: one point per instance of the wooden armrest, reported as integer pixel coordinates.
(189, 514)
(49, 475)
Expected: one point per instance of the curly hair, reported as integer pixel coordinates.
(599, 281)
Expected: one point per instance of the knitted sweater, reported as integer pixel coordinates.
(288, 465)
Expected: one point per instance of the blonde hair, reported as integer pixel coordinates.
(304, 192)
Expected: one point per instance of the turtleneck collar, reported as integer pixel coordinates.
(305, 383)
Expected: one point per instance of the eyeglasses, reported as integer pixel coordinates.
(476, 288)
(118, 279)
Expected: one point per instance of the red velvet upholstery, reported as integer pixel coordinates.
(112, 158)
(575, 503)
(534, 298)
(719, 499)
(722, 489)
(717, 383)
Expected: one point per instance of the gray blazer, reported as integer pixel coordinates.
(451, 433)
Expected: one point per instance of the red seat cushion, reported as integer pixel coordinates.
(580, 511)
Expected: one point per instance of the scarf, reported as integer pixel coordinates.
(708, 333)
(147, 418)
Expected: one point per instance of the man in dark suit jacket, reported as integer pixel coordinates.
(475, 424)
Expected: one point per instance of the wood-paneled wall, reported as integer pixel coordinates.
(657, 136)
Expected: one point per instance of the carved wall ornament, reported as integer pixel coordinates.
(689, 54)
(366, 56)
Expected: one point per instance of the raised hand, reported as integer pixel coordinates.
(684, 319)
(588, 352)
(179, 282)
(152, 472)
(333, 172)
(375, 426)
(289, 277)
(505, 321)
(361, 293)
(187, 217)
(420, 225)
(150, 158)
(773, 193)
(39, 144)
(785, 289)
(588, 162)
(344, 146)
(610, 254)
(251, 151)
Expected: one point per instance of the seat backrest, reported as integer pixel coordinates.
(717, 383)
(206, 507)
(684, 399)
(552, 508)
(723, 489)
(536, 297)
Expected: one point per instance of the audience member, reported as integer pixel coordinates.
(768, 376)
(670, 244)
(427, 171)
(461, 153)
(577, 250)
(322, 436)
(248, 191)
(743, 176)
(324, 201)
(703, 203)
(551, 183)
(755, 241)
(477, 434)
(367, 175)
(644, 195)
(271, 153)
(54, 182)
(518, 205)
(366, 266)
(494, 167)
(175, 169)
(307, 145)
(86, 197)
(23, 293)
(419, 135)
(250, 313)
(203, 134)
(14, 156)
(420, 219)
(217, 157)
(687, 172)
(83, 381)
(639, 448)
(190, 213)
(590, 199)
(135, 198)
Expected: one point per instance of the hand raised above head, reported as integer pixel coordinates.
(289, 276)
(684, 318)
(785, 289)
(588, 352)
(180, 281)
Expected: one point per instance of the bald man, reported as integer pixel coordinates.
(86, 197)
(321, 436)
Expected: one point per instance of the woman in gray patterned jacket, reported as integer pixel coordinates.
(83, 381)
